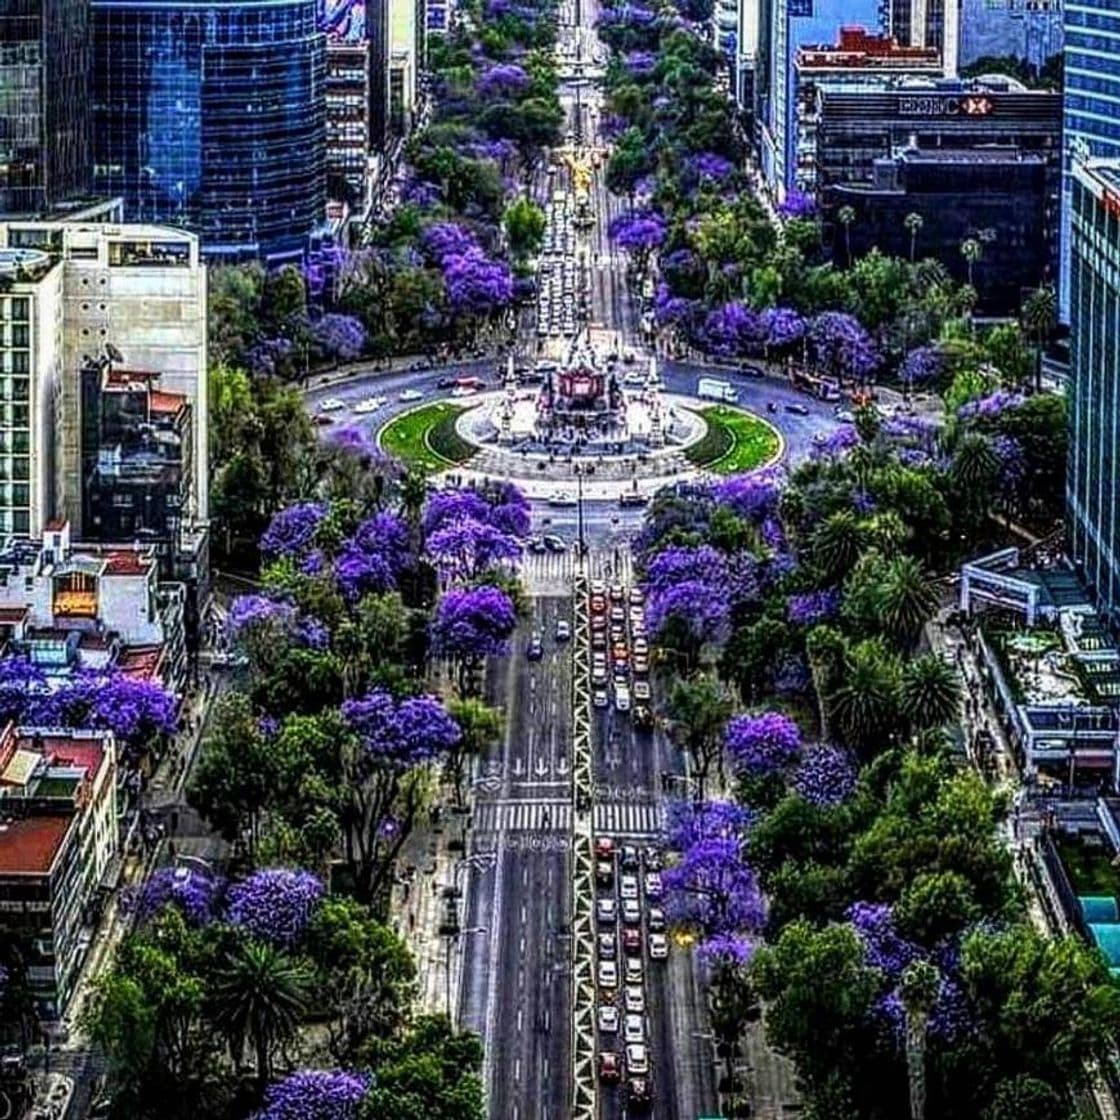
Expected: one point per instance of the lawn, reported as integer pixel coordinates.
(425, 437)
(735, 441)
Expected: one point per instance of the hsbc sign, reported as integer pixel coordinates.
(945, 105)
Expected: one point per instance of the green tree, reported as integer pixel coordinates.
(906, 599)
(481, 725)
(918, 991)
(936, 905)
(972, 250)
(258, 997)
(846, 216)
(837, 544)
(864, 708)
(929, 693)
(1039, 318)
(699, 710)
(524, 224)
(913, 223)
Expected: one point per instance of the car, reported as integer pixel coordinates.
(331, 404)
(641, 690)
(598, 621)
(634, 997)
(637, 616)
(637, 1058)
(820, 438)
(631, 912)
(629, 357)
(629, 859)
(534, 651)
(598, 658)
(628, 887)
(321, 420)
(610, 1067)
(640, 645)
(606, 910)
(618, 614)
(637, 597)
(561, 498)
(617, 631)
(632, 499)
(634, 1028)
(369, 404)
(616, 593)
(653, 859)
(604, 847)
(655, 919)
(608, 950)
(598, 603)
(598, 639)
(639, 1092)
(447, 383)
(844, 415)
(621, 698)
(410, 395)
(797, 409)
(621, 672)
(633, 970)
(537, 545)
(642, 717)
(464, 391)
(563, 630)
(641, 664)
(604, 873)
(608, 1018)
(598, 587)
(634, 377)
(619, 652)
(608, 974)
(658, 946)
(599, 698)
(653, 884)
(555, 544)
(599, 676)
(631, 941)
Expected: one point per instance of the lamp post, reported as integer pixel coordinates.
(581, 547)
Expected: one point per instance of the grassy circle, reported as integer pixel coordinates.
(735, 441)
(426, 437)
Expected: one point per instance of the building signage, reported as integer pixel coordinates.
(939, 105)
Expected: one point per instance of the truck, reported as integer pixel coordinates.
(713, 388)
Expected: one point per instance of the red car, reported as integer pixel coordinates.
(604, 847)
(610, 1066)
(632, 941)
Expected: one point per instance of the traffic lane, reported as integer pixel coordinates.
(668, 1103)
(691, 1076)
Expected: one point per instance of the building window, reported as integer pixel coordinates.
(21, 310)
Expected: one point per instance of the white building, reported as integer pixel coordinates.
(71, 293)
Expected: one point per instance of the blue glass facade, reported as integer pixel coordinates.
(795, 24)
(212, 115)
(1093, 480)
(1091, 125)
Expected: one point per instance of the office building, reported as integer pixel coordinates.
(996, 196)
(795, 24)
(212, 116)
(58, 847)
(403, 62)
(115, 296)
(348, 134)
(929, 23)
(1091, 128)
(1029, 30)
(858, 61)
(1093, 482)
(44, 104)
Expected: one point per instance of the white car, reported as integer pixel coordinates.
(621, 698)
(641, 690)
(628, 888)
(606, 911)
(410, 395)
(464, 391)
(631, 912)
(599, 698)
(370, 404)
(634, 377)
(331, 404)
(653, 884)
(608, 974)
(637, 1059)
(658, 946)
(608, 1019)
(633, 1029)
(561, 498)
(634, 998)
(633, 970)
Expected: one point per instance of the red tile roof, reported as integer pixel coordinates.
(161, 401)
(126, 563)
(30, 846)
(141, 661)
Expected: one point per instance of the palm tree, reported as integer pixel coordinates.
(846, 215)
(918, 990)
(259, 997)
(975, 464)
(972, 251)
(864, 706)
(906, 599)
(481, 725)
(837, 544)
(1040, 313)
(913, 223)
(929, 693)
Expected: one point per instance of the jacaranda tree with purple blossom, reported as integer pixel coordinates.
(472, 623)
(275, 905)
(762, 744)
(315, 1094)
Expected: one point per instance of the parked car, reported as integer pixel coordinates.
(658, 946)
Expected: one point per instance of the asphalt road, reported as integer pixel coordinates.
(516, 989)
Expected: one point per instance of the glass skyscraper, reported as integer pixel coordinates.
(1091, 125)
(44, 103)
(1093, 483)
(212, 115)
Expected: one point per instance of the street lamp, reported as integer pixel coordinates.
(581, 547)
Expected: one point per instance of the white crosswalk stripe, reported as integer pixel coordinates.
(628, 819)
(522, 816)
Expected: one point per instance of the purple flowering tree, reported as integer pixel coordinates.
(677, 563)
(342, 338)
(839, 345)
(503, 80)
(713, 891)
(291, 532)
(811, 607)
(825, 776)
(921, 366)
(763, 744)
(194, 893)
(638, 233)
(374, 557)
(476, 285)
(471, 623)
(753, 496)
(393, 743)
(314, 1094)
(466, 548)
(689, 822)
(785, 328)
(991, 406)
(441, 240)
(23, 685)
(275, 905)
(798, 204)
(733, 329)
(688, 616)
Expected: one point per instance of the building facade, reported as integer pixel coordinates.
(1091, 127)
(795, 24)
(59, 837)
(105, 295)
(1030, 30)
(1093, 481)
(212, 116)
(44, 104)
(928, 23)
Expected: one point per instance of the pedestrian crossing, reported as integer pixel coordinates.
(636, 819)
(550, 568)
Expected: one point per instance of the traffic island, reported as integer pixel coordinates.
(427, 437)
(735, 441)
